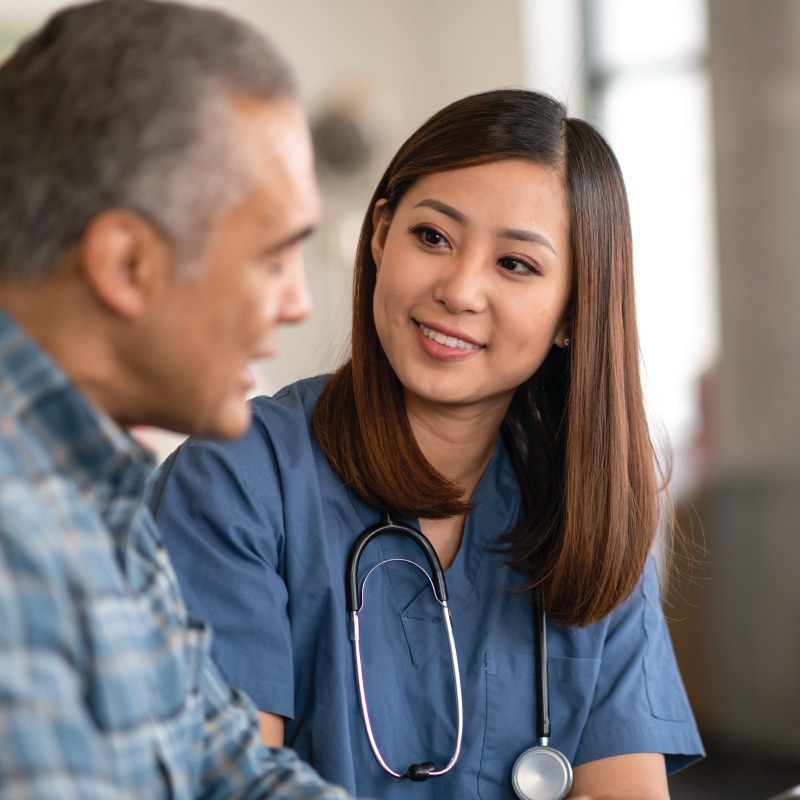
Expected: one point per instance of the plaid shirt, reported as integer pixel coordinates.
(107, 689)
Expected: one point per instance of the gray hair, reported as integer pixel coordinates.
(124, 104)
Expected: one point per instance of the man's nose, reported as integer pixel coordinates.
(297, 303)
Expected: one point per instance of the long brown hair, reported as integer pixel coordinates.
(576, 430)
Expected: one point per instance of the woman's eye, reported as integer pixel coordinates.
(518, 266)
(429, 236)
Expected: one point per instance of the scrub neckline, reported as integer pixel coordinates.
(481, 531)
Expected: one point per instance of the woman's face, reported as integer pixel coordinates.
(473, 281)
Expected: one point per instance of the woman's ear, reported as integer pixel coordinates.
(124, 260)
(564, 331)
(380, 228)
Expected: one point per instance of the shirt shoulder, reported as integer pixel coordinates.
(248, 467)
(640, 702)
(293, 406)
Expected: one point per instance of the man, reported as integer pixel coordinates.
(156, 180)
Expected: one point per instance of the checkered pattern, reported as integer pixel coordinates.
(107, 689)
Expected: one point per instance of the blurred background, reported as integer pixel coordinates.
(701, 101)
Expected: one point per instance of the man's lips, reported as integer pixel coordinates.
(248, 377)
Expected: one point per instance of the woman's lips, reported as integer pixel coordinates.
(444, 345)
(440, 337)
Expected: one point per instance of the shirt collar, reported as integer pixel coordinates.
(73, 433)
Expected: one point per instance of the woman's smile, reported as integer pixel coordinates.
(446, 346)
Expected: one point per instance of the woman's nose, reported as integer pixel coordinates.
(461, 287)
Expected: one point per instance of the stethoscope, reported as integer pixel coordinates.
(541, 772)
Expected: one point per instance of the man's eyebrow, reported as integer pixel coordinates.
(438, 205)
(293, 238)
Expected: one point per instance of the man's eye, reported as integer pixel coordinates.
(269, 263)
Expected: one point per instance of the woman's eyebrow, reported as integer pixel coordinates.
(518, 234)
(438, 205)
(527, 236)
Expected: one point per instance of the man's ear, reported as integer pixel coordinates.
(380, 228)
(125, 260)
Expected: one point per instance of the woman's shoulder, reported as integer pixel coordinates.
(278, 447)
(639, 619)
(281, 424)
(629, 623)
(294, 403)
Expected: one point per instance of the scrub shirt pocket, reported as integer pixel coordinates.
(511, 712)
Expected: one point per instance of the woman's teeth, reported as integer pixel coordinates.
(450, 341)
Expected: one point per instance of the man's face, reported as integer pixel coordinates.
(212, 326)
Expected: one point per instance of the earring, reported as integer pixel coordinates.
(566, 342)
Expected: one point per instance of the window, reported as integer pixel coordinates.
(638, 72)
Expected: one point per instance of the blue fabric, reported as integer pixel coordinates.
(107, 688)
(260, 529)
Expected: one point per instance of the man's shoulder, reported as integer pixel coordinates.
(24, 460)
(30, 386)
(48, 522)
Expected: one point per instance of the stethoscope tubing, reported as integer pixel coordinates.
(353, 597)
(355, 602)
(541, 772)
(542, 685)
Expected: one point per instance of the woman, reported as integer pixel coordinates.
(492, 398)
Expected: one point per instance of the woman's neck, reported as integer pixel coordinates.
(457, 441)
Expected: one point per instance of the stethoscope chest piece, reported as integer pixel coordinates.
(541, 773)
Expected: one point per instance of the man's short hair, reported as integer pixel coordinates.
(124, 104)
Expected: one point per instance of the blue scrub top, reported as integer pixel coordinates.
(259, 530)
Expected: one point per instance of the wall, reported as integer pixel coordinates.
(390, 65)
(745, 643)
